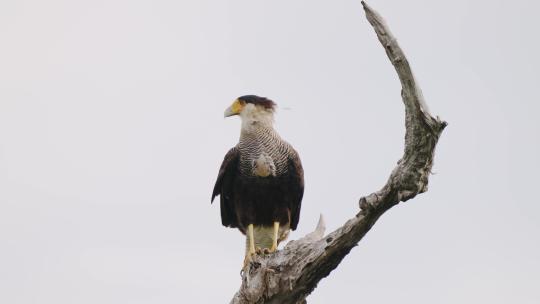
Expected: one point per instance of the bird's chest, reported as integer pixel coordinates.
(259, 161)
(263, 165)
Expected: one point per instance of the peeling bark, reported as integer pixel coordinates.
(290, 275)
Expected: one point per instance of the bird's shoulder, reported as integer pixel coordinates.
(227, 168)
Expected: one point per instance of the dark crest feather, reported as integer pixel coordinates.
(259, 101)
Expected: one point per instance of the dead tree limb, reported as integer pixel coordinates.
(290, 275)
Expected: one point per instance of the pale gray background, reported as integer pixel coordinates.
(112, 132)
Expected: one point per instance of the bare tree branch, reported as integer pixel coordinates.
(290, 275)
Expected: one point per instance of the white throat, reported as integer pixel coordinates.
(254, 117)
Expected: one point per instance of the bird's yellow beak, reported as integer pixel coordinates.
(235, 108)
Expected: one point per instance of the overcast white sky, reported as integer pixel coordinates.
(112, 132)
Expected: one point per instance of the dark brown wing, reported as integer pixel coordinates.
(296, 187)
(224, 188)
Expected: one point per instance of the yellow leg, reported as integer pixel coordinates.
(275, 237)
(251, 247)
(251, 239)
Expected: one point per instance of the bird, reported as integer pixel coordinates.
(261, 180)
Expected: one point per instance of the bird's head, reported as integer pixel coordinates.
(252, 109)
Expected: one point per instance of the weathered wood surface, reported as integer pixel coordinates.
(290, 275)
